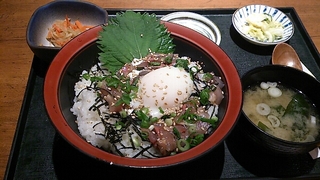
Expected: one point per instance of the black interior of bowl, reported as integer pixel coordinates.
(88, 57)
(289, 77)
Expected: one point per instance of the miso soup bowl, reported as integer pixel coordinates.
(289, 77)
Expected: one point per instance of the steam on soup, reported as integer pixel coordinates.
(281, 111)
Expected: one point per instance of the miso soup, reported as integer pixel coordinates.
(281, 111)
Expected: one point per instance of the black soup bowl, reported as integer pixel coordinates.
(291, 78)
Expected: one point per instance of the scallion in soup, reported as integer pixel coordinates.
(281, 111)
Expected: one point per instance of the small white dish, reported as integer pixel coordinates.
(197, 22)
(239, 19)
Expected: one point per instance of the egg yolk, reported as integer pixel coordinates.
(164, 88)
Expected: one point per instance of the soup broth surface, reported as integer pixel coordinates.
(290, 116)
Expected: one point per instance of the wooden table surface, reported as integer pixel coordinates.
(16, 57)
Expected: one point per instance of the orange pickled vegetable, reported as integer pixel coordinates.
(63, 31)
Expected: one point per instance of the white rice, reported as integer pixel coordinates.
(91, 128)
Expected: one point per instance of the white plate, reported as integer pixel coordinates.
(197, 22)
(240, 15)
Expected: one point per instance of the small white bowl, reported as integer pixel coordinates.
(196, 22)
(239, 20)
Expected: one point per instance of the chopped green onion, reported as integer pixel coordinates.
(275, 122)
(86, 76)
(118, 127)
(176, 132)
(161, 110)
(207, 76)
(262, 126)
(144, 135)
(168, 121)
(192, 129)
(274, 92)
(113, 81)
(195, 140)
(263, 109)
(213, 120)
(123, 113)
(264, 85)
(155, 63)
(168, 59)
(183, 145)
(194, 69)
(204, 96)
(182, 63)
(143, 117)
(153, 120)
(136, 141)
(146, 120)
(173, 153)
(124, 99)
(145, 110)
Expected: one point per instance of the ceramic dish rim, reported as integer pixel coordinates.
(253, 40)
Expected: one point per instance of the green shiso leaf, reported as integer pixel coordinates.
(132, 35)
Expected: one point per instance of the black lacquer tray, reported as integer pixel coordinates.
(38, 152)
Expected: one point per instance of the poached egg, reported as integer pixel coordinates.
(164, 89)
